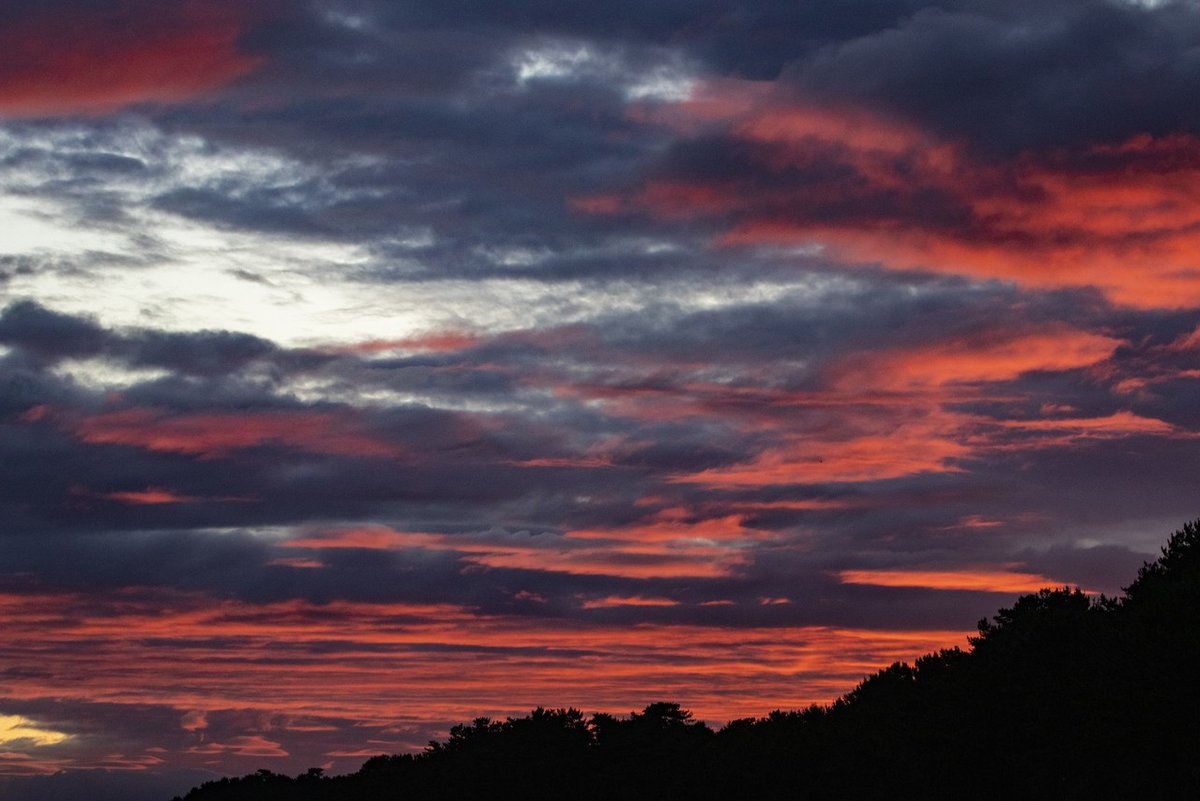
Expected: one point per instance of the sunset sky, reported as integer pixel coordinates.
(369, 366)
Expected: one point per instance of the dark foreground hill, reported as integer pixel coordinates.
(1058, 697)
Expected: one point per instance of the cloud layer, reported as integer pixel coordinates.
(690, 350)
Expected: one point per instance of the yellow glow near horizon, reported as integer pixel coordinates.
(14, 728)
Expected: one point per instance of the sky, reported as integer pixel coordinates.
(369, 366)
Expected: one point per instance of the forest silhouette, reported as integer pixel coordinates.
(1060, 696)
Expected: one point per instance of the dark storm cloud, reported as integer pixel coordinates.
(448, 168)
(28, 326)
(1100, 483)
(264, 212)
(1010, 76)
(360, 79)
(1003, 75)
(208, 352)
(1104, 568)
(856, 317)
(86, 467)
(252, 570)
(754, 42)
(346, 82)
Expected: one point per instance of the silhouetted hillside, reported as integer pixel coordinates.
(1059, 696)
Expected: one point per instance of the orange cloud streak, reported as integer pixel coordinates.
(384, 665)
(1116, 424)
(377, 538)
(975, 580)
(673, 525)
(442, 341)
(1131, 229)
(212, 435)
(920, 442)
(610, 601)
(151, 496)
(623, 552)
(994, 356)
(1121, 217)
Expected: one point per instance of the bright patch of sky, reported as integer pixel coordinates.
(32, 227)
(565, 61)
(104, 375)
(18, 730)
(149, 267)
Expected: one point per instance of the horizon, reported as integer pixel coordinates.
(369, 367)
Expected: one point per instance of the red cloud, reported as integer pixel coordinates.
(878, 443)
(659, 550)
(154, 496)
(616, 601)
(100, 57)
(977, 580)
(373, 664)
(370, 537)
(1123, 218)
(245, 746)
(674, 525)
(442, 341)
(216, 434)
(990, 356)
(151, 496)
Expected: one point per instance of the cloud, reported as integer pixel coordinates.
(246, 746)
(27, 325)
(194, 720)
(869, 188)
(587, 348)
(981, 357)
(998, 581)
(399, 654)
(1020, 76)
(151, 496)
(60, 58)
(17, 731)
(215, 435)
